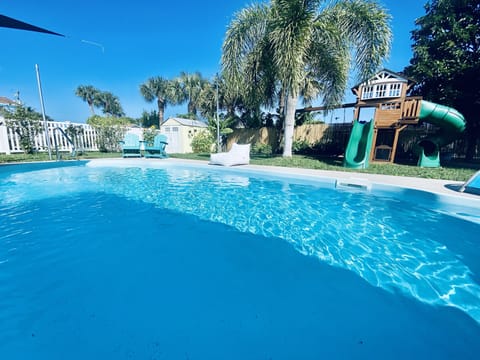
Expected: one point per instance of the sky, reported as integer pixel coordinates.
(118, 45)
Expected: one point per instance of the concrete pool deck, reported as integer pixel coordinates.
(442, 187)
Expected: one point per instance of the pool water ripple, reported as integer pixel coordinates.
(315, 219)
(391, 246)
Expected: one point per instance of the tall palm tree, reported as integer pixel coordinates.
(88, 93)
(286, 44)
(162, 90)
(192, 86)
(109, 103)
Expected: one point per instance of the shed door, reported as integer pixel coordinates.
(173, 136)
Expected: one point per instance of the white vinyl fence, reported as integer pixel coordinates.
(86, 141)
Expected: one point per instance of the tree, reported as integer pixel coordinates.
(162, 90)
(191, 86)
(271, 50)
(89, 94)
(148, 119)
(110, 130)
(446, 60)
(109, 103)
(26, 123)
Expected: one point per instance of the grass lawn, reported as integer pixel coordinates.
(454, 171)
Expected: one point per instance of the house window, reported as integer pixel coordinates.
(175, 129)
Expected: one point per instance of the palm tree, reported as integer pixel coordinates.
(281, 47)
(109, 103)
(88, 93)
(192, 86)
(162, 90)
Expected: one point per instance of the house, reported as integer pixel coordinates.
(180, 133)
(7, 104)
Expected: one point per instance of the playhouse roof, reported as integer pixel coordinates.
(385, 75)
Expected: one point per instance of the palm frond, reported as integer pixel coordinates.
(245, 35)
(365, 24)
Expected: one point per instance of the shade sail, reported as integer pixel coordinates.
(8, 22)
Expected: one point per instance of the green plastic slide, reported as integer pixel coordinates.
(359, 145)
(451, 124)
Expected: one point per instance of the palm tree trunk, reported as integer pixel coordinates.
(92, 109)
(281, 104)
(161, 113)
(289, 124)
(192, 108)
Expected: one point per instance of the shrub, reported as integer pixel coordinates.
(202, 142)
(301, 147)
(110, 131)
(149, 135)
(262, 149)
(27, 125)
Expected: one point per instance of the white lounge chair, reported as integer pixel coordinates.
(238, 155)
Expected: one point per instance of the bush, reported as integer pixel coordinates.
(301, 147)
(149, 135)
(262, 149)
(202, 142)
(27, 125)
(110, 131)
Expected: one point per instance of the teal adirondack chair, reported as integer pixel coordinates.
(131, 146)
(157, 149)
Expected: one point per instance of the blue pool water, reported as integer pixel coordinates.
(194, 263)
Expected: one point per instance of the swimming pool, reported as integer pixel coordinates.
(194, 262)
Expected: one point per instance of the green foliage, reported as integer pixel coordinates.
(161, 90)
(446, 60)
(300, 146)
(202, 142)
(73, 132)
(149, 134)
(110, 131)
(27, 124)
(282, 51)
(188, 116)
(262, 149)
(109, 103)
(148, 119)
(225, 125)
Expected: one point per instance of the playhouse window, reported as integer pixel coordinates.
(381, 90)
(395, 90)
(390, 106)
(367, 92)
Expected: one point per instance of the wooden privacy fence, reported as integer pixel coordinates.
(324, 138)
(332, 139)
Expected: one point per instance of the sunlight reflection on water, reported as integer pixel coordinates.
(387, 242)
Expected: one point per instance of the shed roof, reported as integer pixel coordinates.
(188, 122)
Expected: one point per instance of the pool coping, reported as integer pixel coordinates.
(441, 187)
